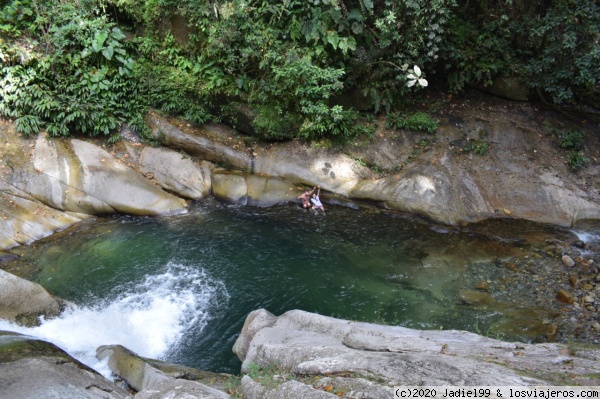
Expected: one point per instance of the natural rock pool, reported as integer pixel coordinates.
(179, 288)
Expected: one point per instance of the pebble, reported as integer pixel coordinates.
(568, 261)
(565, 296)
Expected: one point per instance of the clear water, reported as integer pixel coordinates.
(180, 288)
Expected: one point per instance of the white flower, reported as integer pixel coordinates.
(414, 76)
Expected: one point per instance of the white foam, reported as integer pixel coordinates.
(587, 237)
(148, 317)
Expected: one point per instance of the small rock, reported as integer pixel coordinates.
(565, 297)
(573, 281)
(588, 299)
(596, 327)
(512, 266)
(568, 261)
(506, 211)
(482, 285)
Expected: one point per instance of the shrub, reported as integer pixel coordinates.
(419, 121)
(571, 138)
(75, 74)
(576, 160)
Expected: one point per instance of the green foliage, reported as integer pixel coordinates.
(571, 138)
(290, 59)
(418, 121)
(67, 67)
(551, 45)
(564, 53)
(476, 146)
(75, 74)
(576, 160)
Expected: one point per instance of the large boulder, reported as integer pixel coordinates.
(212, 142)
(150, 382)
(176, 172)
(23, 218)
(24, 301)
(31, 368)
(80, 174)
(374, 358)
(434, 190)
(253, 189)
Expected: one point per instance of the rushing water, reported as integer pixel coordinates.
(180, 288)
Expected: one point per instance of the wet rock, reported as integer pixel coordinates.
(150, 382)
(551, 331)
(568, 261)
(573, 281)
(512, 266)
(565, 297)
(31, 368)
(475, 298)
(482, 286)
(24, 301)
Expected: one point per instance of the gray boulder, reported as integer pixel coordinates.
(374, 358)
(216, 143)
(176, 172)
(31, 368)
(25, 219)
(24, 301)
(150, 382)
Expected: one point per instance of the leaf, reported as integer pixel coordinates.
(417, 71)
(411, 83)
(99, 40)
(368, 4)
(108, 52)
(423, 82)
(117, 34)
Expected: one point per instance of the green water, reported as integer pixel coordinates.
(356, 265)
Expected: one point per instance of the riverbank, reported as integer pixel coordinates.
(48, 185)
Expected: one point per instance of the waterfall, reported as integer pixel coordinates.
(150, 317)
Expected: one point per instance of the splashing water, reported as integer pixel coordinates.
(148, 317)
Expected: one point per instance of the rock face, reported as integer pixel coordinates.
(176, 172)
(252, 189)
(371, 359)
(24, 301)
(521, 176)
(81, 177)
(35, 369)
(150, 382)
(47, 185)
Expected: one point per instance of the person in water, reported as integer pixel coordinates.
(305, 198)
(316, 202)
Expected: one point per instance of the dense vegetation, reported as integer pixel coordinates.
(87, 66)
